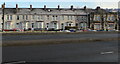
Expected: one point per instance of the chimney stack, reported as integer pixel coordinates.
(71, 7)
(85, 7)
(16, 7)
(30, 7)
(3, 5)
(98, 8)
(44, 7)
(58, 7)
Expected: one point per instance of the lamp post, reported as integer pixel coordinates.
(3, 6)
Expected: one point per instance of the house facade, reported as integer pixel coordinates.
(100, 19)
(57, 18)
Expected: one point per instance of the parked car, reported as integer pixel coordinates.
(10, 30)
(100, 30)
(72, 30)
(38, 29)
(66, 31)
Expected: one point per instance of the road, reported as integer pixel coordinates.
(98, 51)
(70, 52)
(56, 36)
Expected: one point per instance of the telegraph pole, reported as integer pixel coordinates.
(3, 6)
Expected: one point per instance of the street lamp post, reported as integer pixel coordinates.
(3, 6)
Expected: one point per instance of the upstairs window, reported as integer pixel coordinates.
(7, 17)
(47, 17)
(23, 17)
(56, 17)
(18, 17)
(53, 17)
(10, 17)
(62, 17)
(26, 17)
(33, 16)
(38, 17)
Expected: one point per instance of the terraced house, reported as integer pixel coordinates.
(103, 20)
(57, 18)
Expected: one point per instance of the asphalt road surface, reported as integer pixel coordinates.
(56, 36)
(70, 52)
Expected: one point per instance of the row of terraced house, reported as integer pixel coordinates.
(58, 18)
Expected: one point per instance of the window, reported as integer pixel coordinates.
(32, 25)
(33, 16)
(98, 18)
(109, 18)
(97, 26)
(112, 18)
(47, 17)
(23, 17)
(62, 17)
(68, 17)
(47, 25)
(53, 17)
(71, 17)
(95, 18)
(7, 25)
(41, 17)
(56, 17)
(7, 17)
(55, 25)
(62, 26)
(38, 17)
(10, 17)
(17, 17)
(26, 17)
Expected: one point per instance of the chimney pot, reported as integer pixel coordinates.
(58, 6)
(16, 5)
(3, 5)
(98, 8)
(30, 7)
(85, 7)
(44, 6)
(71, 7)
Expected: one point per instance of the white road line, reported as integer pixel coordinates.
(16, 62)
(109, 52)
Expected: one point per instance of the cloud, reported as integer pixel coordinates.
(107, 4)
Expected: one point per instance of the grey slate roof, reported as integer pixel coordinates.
(9, 10)
(50, 11)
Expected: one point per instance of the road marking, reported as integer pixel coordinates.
(109, 52)
(17, 62)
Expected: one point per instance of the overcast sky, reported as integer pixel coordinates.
(62, 3)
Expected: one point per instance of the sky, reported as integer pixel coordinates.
(63, 3)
